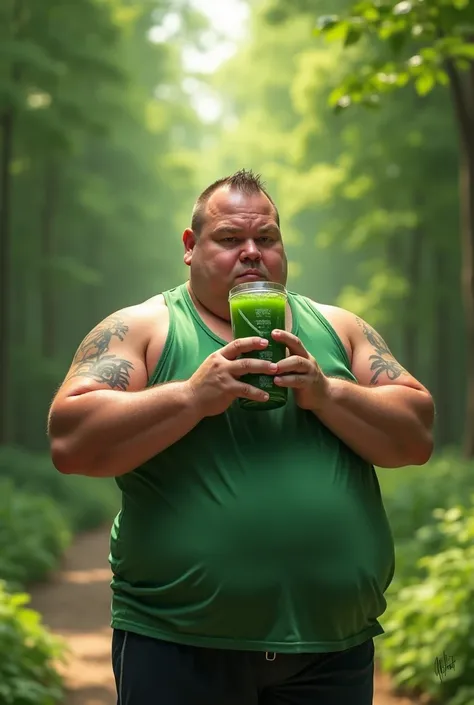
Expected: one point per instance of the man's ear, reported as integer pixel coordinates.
(189, 241)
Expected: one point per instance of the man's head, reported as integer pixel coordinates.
(234, 237)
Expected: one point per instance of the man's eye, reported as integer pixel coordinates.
(229, 239)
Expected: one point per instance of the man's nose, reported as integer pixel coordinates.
(250, 251)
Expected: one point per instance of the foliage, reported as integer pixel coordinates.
(432, 618)
(427, 41)
(27, 655)
(368, 200)
(84, 503)
(426, 44)
(33, 535)
(430, 513)
(411, 494)
(97, 136)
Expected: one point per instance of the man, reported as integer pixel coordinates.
(252, 551)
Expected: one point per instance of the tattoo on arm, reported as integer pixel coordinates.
(382, 360)
(91, 359)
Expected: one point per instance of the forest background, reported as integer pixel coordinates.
(115, 114)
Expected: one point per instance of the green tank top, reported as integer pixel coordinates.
(257, 530)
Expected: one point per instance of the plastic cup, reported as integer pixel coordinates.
(258, 308)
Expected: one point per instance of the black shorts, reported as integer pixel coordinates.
(153, 672)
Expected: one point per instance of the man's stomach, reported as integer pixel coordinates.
(278, 559)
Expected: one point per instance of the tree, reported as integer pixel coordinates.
(368, 199)
(99, 149)
(45, 71)
(426, 43)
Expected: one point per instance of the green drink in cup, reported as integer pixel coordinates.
(258, 308)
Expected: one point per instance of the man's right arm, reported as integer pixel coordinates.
(104, 422)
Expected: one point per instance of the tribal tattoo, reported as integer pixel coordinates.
(91, 359)
(382, 360)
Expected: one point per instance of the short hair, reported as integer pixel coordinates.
(244, 181)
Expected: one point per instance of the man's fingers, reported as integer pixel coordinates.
(247, 391)
(292, 342)
(293, 381)
(294, 363)
(251, 366)
(243, 345)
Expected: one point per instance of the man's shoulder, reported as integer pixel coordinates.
(143, 311)
(150, 307)
(149, 322)
(334, 314)
(142, 320)
(341, 320)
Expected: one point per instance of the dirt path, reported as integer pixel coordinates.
(76, 605)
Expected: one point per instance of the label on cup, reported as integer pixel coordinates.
(265, 382)
(263, 322)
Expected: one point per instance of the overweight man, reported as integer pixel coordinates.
(252, 551)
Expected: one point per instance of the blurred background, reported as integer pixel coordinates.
(114, 116)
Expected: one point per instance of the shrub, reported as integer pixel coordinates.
(434, 617)
(27, 655)
(411, 494)
(33, 535)
(85, 502)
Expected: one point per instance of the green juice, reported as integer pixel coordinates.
(258, 308)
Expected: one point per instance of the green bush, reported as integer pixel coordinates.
(411, 494)
(33, 535)
(85, 502)
(434, 617)
(27, 654)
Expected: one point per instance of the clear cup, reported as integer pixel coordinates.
(258, 308)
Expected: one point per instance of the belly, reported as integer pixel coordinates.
(300, 523)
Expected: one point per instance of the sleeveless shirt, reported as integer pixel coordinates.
(256, 530)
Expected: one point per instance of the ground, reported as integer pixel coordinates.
(75, 604)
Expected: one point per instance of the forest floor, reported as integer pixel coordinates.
(75, 605)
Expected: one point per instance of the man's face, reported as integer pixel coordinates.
(240, 242)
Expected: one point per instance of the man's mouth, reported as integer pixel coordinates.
(251, 274)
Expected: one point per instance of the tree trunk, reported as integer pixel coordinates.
(394, 255)
(5, 271)
(48, 306)
(467, 277)
(410, 325)
(442, 350)
(463, 100)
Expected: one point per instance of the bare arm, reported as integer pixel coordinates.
(103, 421)
(388, 417)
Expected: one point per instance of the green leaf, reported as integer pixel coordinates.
(402, 78)
(326, 22)
(334, 32)
(424, 83)
(353, 36)
(371, 13)
(340, 99)
(397, 42)
(466, 50)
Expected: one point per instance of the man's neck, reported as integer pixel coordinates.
(221, 319)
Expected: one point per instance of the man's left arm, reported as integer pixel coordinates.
(387, 418)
